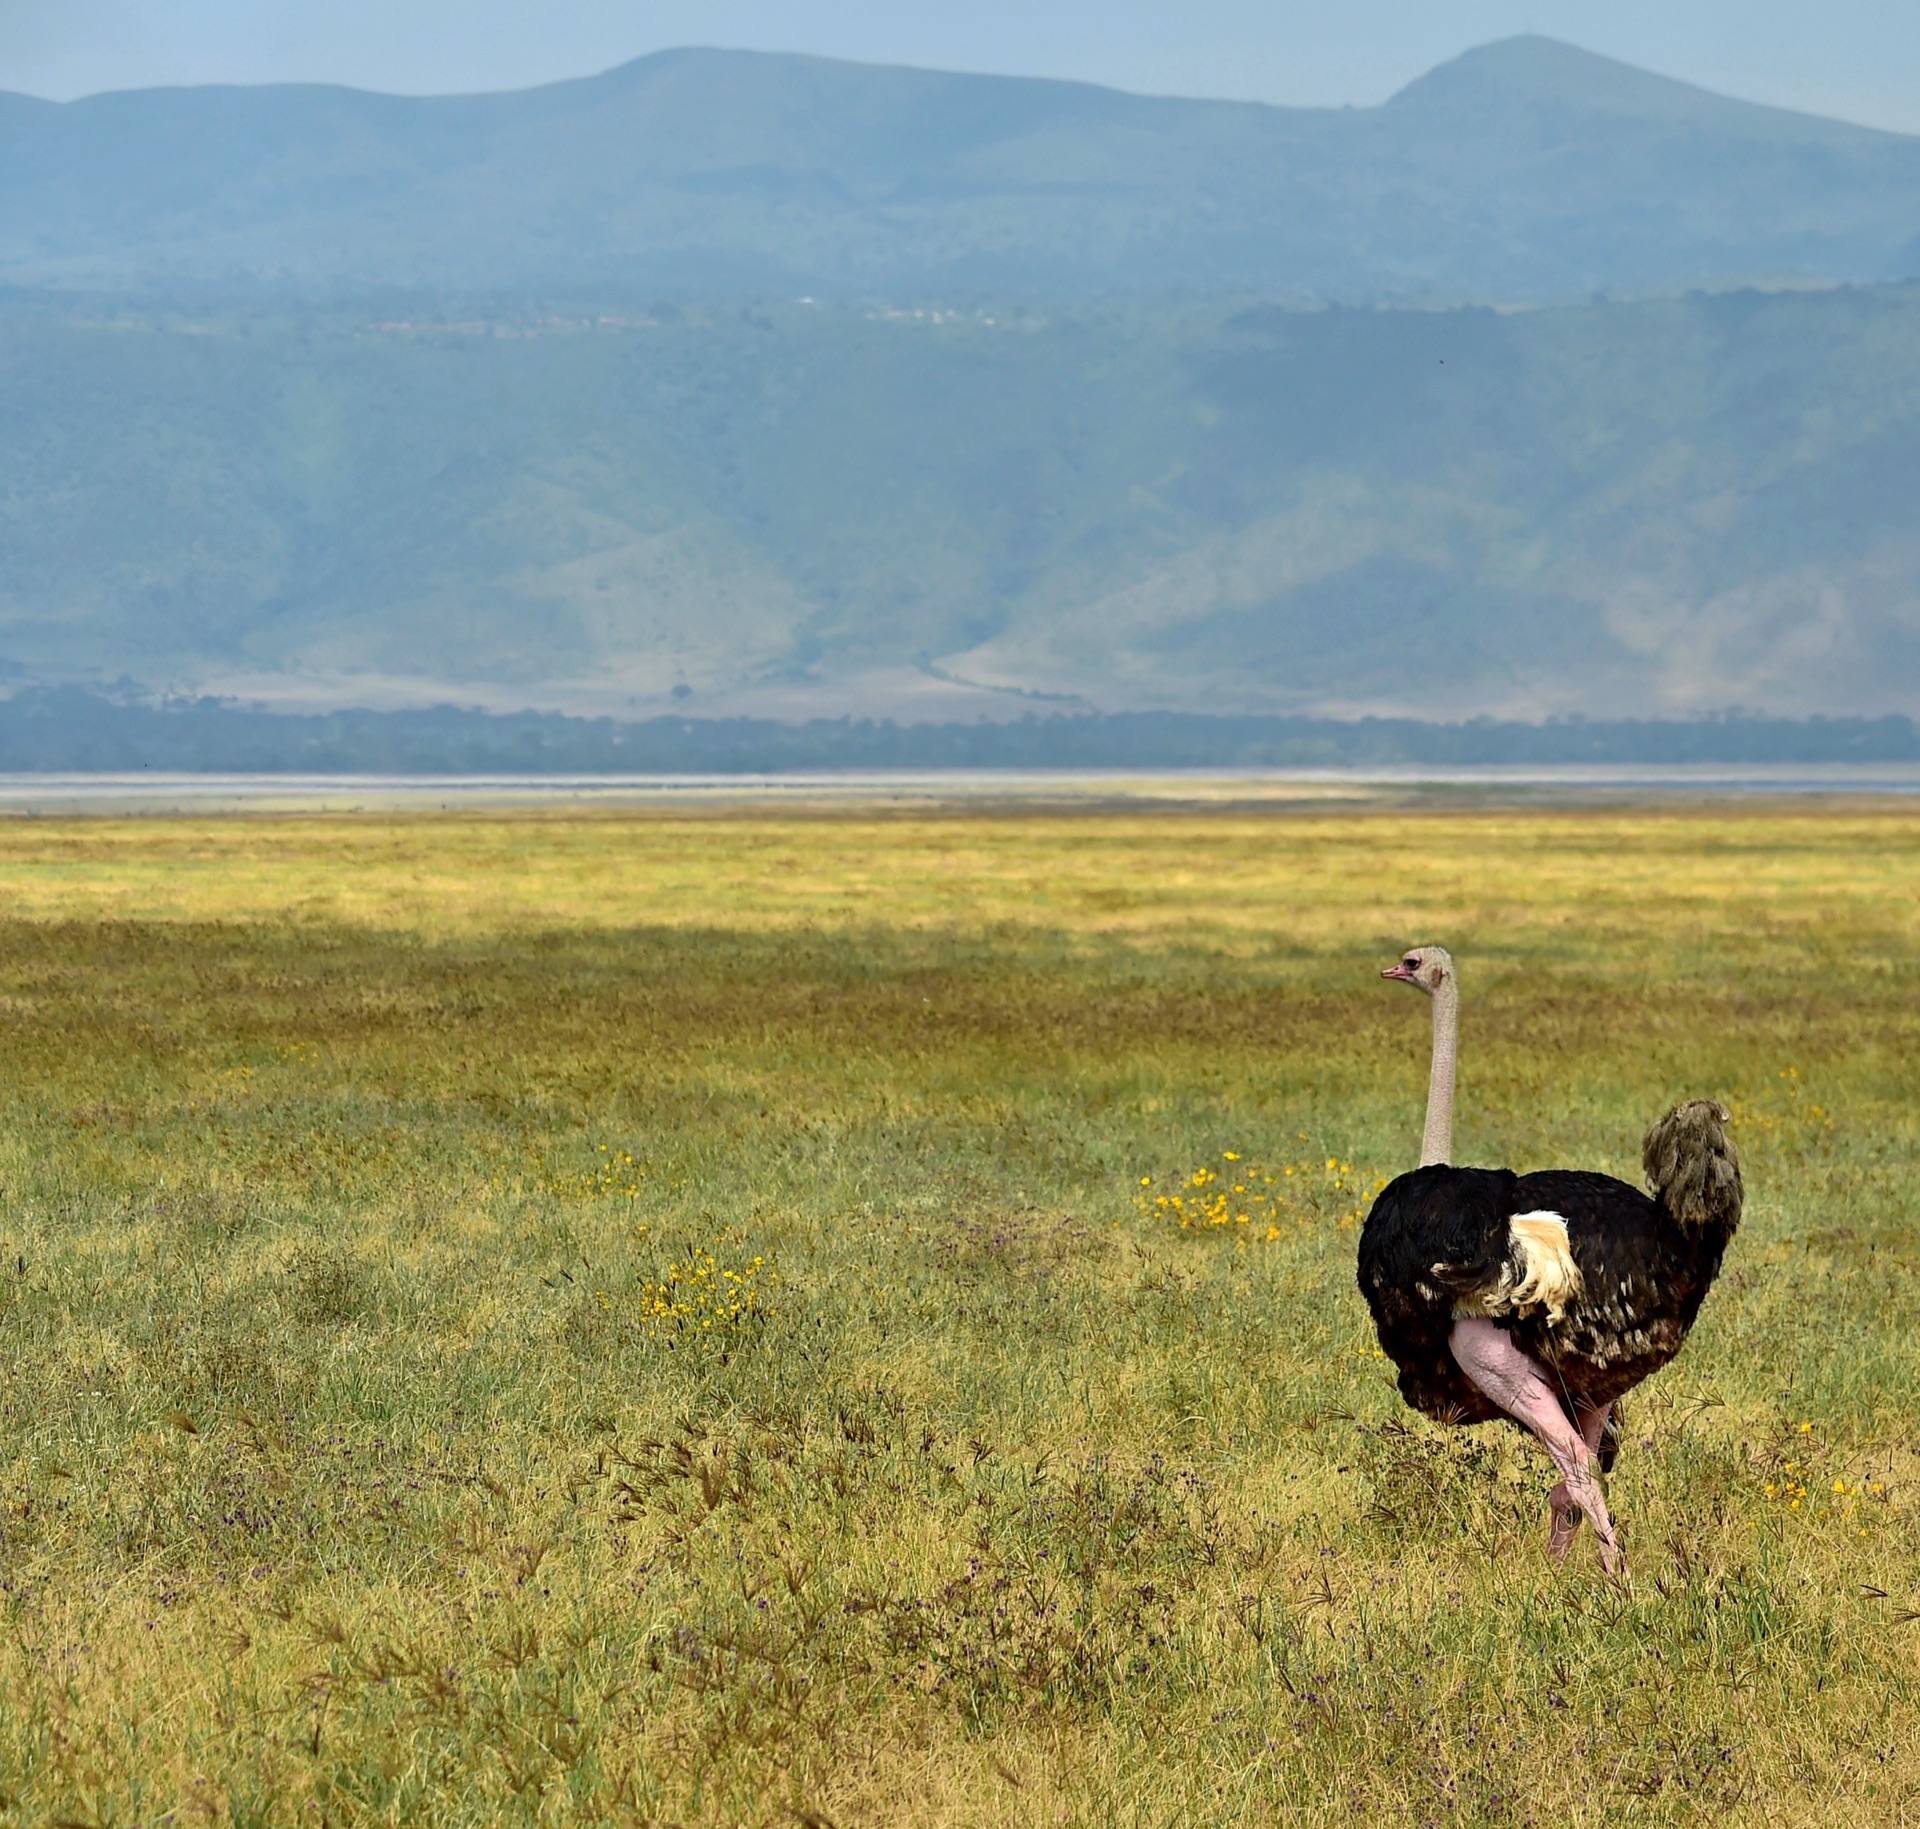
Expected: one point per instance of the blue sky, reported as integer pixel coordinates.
(1859, 59)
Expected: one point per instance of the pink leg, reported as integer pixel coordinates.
(1566, 1514)
(1497, 1367)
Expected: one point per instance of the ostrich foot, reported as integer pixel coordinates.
(1579, 1496)
(1507, 1376)
(1566, 1522)
(1566, 1526)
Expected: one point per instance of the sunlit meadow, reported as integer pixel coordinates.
(849, 1320)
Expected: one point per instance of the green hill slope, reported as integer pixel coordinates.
(1523, 171)
(1610, 508)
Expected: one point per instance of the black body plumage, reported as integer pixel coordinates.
(1439, 1237)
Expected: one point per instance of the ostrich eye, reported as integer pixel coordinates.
(1411, 962)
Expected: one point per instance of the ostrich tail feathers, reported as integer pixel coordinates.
(1549, 1278)
(1694, 1169)
(1537, 1274)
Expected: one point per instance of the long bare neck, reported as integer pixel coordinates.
(1437, 1144)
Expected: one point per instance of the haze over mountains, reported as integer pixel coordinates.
(728, 383)
(1523, 171)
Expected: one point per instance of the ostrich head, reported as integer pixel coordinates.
(1429, 967)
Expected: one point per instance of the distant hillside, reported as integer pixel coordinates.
(1523, 171)
(1626, 511)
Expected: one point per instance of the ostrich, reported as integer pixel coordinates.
(1544, 1297)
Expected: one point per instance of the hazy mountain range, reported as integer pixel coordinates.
(739, 384)
(1523, 171)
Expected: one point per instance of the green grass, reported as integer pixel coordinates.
(369, 1186)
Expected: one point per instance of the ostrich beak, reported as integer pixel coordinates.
(1400, 972)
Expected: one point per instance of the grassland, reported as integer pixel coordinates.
(685, 1320)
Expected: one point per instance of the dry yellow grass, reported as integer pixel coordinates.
(659, 1319)
(1298, 880)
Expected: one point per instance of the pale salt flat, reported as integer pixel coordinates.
(145, 792)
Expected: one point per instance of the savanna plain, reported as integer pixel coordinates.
(849, 1319)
